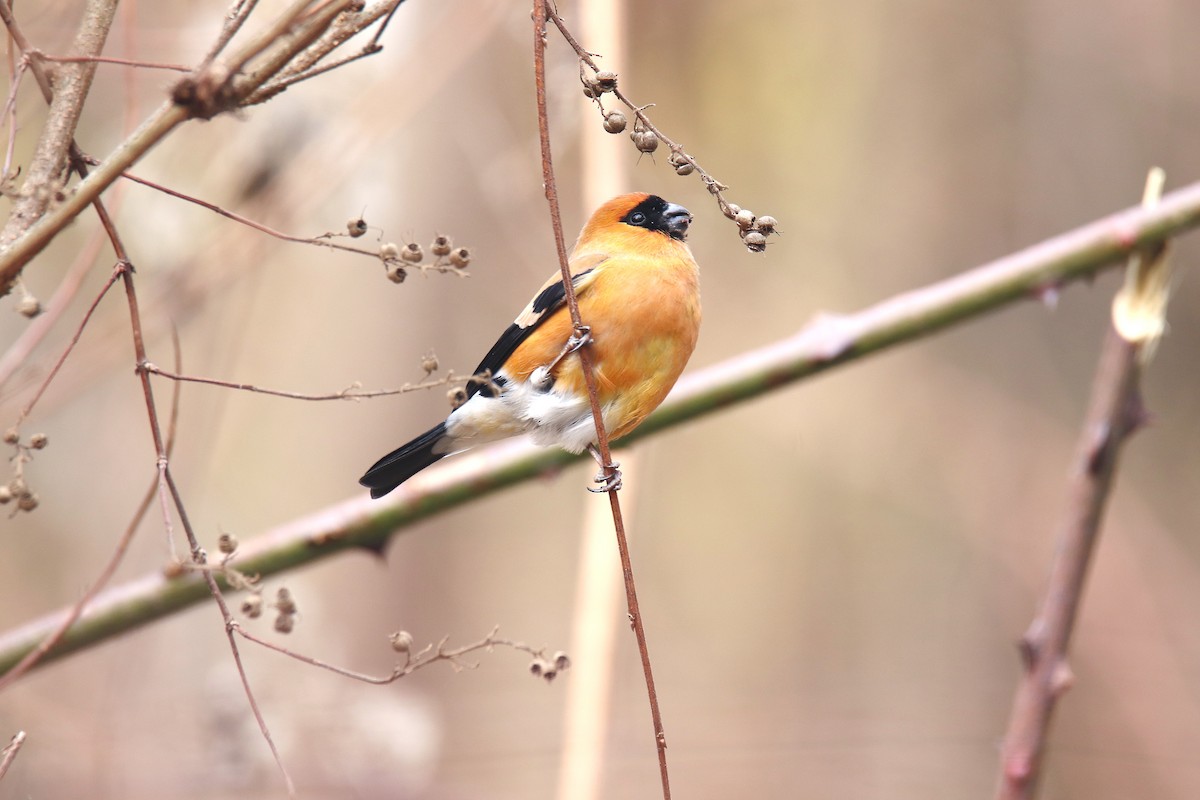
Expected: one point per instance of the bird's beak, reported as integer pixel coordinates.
(677, 220)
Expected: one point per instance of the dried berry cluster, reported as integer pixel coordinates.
(548, 668)
(253, 605)
(17, 490)
(398, 260)
(284, 605)
(646, 138)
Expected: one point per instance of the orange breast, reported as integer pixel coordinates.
(644, 314)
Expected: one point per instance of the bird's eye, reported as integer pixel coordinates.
(637, 218)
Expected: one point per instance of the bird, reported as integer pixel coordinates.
(638, 291)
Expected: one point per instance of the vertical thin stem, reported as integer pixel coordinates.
(585, 358)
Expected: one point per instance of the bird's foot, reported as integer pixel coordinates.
(580, 337)
(609, 478)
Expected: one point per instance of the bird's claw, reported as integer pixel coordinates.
(609, 479)
(582, 336)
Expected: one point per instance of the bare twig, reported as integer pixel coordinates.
(350, 393)
(586, 363)
(167, 485)
(1115, 411)
(235, 18)
(324, 240)
(430, 654)
(124, 62)
(9, 753)
(54, 637)
(36, 331)
(210, 90)
(826, 342)
(304, 66)
(87, 316)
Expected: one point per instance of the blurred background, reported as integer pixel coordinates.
(832, 577)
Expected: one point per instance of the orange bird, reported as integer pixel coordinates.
(639, 296)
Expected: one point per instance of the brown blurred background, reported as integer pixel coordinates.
(832, 578)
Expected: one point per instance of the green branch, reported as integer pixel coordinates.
(826, 342)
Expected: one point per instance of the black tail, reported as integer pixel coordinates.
(401, 464)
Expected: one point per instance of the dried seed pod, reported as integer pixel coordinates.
(252, 606)
(457, 396)
(744, 219)
(39, 441)
(755, 241)
(396, 274)
(681, 163)
(766, 225)
(429, 363)
(6, 495)
(285, 623)
(441, 246)
(590, 91)
(645, 141)
(27, 502)
(29, 306)
(356, 227)
(12, 436)
(561, 661)
(227, 543)
(388, 251)
(460, 258)
(412, 253)
(614, 122)
(284, 602)
(539, 666)
(402, 641)
(605, 81)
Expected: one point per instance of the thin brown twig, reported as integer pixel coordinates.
(36, 331)
(430, 654)
(124, 62)
(235, 18)
(304, 66)
(16, 72)
(116, 273)
(586, 363)
(54, 637)
(167, 486)
(9, 754)
(324, 240)
(351, 393)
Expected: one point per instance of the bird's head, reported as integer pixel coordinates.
(645, 212)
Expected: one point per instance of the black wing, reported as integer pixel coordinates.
(538, 312)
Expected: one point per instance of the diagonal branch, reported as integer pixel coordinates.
(212, 89)
(824, 343)
(48, 166)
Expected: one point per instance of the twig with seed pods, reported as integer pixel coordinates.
(397, 260)
(545, 665)
(598, 82)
